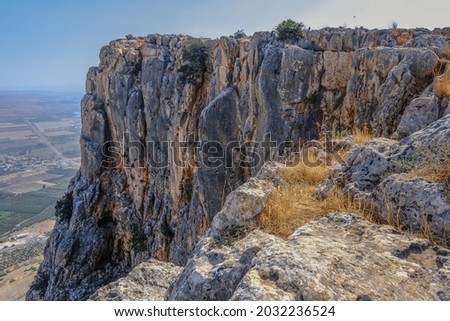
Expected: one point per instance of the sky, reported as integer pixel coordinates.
(50, 44)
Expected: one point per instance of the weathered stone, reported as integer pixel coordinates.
(344, 257)
(149, 281)
(339, 257)
(415, 203)
(418, 114)
(243, 206)
(370, 175)
(217, 267)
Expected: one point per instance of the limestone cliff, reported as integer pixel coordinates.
(144, 189)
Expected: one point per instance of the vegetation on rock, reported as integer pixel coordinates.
(195, 56)
(293, 204)
(442, 84)
(290, 30)
(64, 207)
(239, 34)
(40, 283)
(138, 239)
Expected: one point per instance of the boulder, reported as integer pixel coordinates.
(371, 174)
(339, 257)
(149, 281)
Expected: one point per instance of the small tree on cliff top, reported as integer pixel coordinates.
(194, 57)
(290, 30)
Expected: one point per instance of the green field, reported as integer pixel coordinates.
(14, 209)
(61, 171)
(21, 146)
(4, 214)
(26, 203)
(23, 150)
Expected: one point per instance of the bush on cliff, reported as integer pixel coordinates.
(239, 34)
(290, 30)
(194, 57)
(64, 207)
(40, 283)
(138, 239)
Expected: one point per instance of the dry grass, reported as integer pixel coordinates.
(441, 172)
(436, 171)
(403, 38)
(447, 53)
(434, 239)
(302, 173)
(294, 205)
(291, 206)
(442, 85)
(441, 76)
(394, 29)
(362, 136)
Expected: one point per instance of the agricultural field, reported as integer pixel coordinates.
(39, 155)
(33, 202)
(20, 259)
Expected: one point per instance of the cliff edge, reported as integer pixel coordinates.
(160, 151)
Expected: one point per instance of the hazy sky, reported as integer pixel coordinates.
(50, 44)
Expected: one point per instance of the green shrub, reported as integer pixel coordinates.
(64, 207)
(194, 57)
(239, 34)
(290, 30)
(40, 283)
(138, 239)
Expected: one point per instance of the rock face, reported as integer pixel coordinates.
(149, 281)
(147, 188)
(420, 113)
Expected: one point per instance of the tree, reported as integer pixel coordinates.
(239, 34)
(290, 30)
(64, 207)
(194, 56)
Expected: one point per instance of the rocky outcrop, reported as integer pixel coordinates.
(420, 113)
(339, 257)
(149, 281)
(151, 180)
(383, 172)
(243, 206)
(344, 257)
(218, 266)
(226, 253)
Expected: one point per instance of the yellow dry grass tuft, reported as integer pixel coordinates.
(442, 85)
(290, 207)
(394, 29)
(362, 136)
(294, 205)
(312, 174)
(430, 169)
(441, 172)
